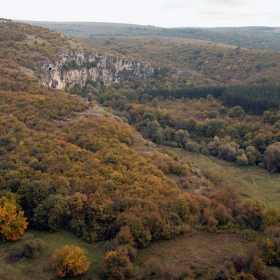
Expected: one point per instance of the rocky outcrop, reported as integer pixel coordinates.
(77, 67)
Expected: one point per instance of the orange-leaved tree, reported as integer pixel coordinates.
(69, 261)
(12, 220)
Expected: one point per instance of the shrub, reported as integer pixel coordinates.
(252, 212)
(28, 247)
(211, 224)
(32, 247)
(116, 265)
(212, 114)
(236, 112)
(69, 261)
(205, 151)
(271, 218)
(111, 245)
(258, 269)
(272, 157)
(249, 234)
(192, 146)
(155, 102)
(242, 160)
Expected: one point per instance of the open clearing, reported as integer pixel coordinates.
(198, 249)
(251, 181)
(40, 269)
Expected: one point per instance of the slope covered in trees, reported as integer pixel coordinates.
(215, 63)
(78, 171)
(24, 45)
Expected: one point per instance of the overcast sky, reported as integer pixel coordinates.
(164, 13)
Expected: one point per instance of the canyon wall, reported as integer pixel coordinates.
(77, 67)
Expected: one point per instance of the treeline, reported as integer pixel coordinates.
(191, 92)
(253, 99)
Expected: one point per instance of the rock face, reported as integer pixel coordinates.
(77, 67)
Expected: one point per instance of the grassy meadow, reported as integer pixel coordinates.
(191, 249)
(40, 268)
(251, 181)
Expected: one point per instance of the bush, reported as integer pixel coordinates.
(272, 157)
(212, 114)
(242, 160)
(32, 247)
(205, 151)
(258, 269)
(192, 146)
(249, 234)
(236, 112)
(252, 212)
(28, 247)
(69, 261)
(111, 245)
(116, 265)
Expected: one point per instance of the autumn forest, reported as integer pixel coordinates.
(126, 181)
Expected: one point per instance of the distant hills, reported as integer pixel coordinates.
(263, 38)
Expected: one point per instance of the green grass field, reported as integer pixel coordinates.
(40, 268)
(196, 248)
(251, 181)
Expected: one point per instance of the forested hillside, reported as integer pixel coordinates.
(215, 63)
(270, 33)
(265, 38)
(74, 163)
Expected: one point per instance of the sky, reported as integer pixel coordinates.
(162, 13)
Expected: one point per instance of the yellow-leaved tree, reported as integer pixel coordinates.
(12, 220)
(69, 261)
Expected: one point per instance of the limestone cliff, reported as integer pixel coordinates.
(79, 66)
